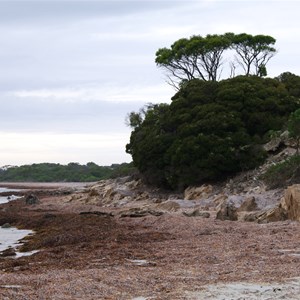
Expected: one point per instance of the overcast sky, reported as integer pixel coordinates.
(72, 70)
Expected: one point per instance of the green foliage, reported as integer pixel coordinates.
(210, 130)
(150, 141)
(200, 57)
(291, 83)
(294, 126)
(73, 172)
(283, 174)
(122, 170)
(253, 52)
(134, 119)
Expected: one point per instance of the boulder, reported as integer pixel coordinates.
(274, 214)
(227, 211)
(31, 199)
(93, 193)
(249, 204)
(273, 144)
(8, 252)
(6, 225)
(196, 213)
(170, 206)
(197, 193)
(220, 198)
(291, 202)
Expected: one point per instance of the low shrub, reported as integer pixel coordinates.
(283, 174)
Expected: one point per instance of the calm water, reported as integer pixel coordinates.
(3, 189)
(9, 237)
(5, 199)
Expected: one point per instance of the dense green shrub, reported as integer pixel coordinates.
(210, 130)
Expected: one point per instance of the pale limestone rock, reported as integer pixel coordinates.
(291, 202)
(219, 199)
(197, 193)
(196, 213)
(273, 145)
(249, 204)
(168, 206)
(274, 214)
(227, 211)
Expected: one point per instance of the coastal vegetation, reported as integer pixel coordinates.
(283, 173)
(73, 172)
(213, 128)
(205, 57)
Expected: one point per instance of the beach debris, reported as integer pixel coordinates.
(31, 199)
(6, 225)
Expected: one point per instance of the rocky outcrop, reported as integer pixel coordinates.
(169, 206)
(197, 193)
(249, 204)
(227, 211)
(220, 198)
(246, 202)
(288, 208)
(280, 142)
(116, 193)
(196, 213)
(274, 214)
(291, 202)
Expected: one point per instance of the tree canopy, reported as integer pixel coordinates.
(253, 52)
(203, 57)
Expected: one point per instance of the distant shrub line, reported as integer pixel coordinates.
(73, 172)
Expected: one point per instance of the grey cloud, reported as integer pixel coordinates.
(67, 45)
(45, 11)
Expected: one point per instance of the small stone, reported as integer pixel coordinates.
(31, 199)
(8, 252)
(196, 213)
(6, 225)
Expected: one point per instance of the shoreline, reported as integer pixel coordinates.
(152, 257)
(12, 237)
(44, 185)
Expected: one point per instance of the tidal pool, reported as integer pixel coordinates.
(10, 237)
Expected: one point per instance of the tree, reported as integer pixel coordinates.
(134, 119)
(197, 57)
(294, 127)
(200, 57)
(253, 52)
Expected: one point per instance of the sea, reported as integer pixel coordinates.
(10, 237)
(5, 199)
